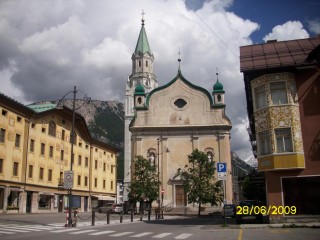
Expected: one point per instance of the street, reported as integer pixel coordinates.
(51, 226)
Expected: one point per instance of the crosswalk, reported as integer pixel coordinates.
(10, 229)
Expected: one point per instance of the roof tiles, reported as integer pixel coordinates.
(276, 54)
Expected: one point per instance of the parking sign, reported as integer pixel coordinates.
(222, 171)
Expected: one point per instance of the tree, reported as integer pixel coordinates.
(254, 186)
(199, 181)
(145, 181)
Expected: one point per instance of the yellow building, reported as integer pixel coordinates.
(35, 152)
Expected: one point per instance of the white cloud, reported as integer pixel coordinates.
(287, 31)
(59, 44)
(314, 26)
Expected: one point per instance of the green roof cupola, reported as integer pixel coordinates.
(139, 90)
(218, 93)
(218, 87)
(139, 97)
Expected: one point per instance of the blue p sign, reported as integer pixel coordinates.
(222, 167)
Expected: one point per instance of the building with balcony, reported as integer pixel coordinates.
(35, 153)
(282, 83)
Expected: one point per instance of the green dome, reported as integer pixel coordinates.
(139, 90)
(217, 86)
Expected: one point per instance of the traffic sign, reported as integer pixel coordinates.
(222, 176)
(222, 171)
(68, 179)
(222, 167)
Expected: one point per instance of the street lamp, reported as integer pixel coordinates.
(160, 187)
(72, 136)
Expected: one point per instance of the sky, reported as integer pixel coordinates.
(49, 46)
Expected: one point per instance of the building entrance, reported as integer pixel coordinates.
(302, 192)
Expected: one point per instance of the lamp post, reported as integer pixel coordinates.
(158, 153)
(72, 156)
(160, 187)
(72, 136)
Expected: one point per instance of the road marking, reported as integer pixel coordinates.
(15, 230)
(240, 235)
(7, 232)
(100, 233)
(65, 230)
(162, 235)
(142, 234)
(120, 234)
(183, 236)
(83, 231)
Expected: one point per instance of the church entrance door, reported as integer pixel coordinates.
(180, 196)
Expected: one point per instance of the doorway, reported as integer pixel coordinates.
(29, 202)
(180, 196)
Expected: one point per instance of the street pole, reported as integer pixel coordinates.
(159, 178)
(72, 157)
(224, 184)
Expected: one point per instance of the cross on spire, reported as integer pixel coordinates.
(142, 16)
(217, 74)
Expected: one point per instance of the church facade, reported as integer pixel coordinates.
(169, 122)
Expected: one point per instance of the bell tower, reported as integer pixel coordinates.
(142, 73)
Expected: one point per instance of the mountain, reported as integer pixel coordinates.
(241, 167)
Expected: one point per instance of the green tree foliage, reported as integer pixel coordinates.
(145, 181)
(199, 181)
(254, 187)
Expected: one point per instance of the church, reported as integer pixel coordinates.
(165, 124)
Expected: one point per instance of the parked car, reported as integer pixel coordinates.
(245, 214)
(229, 210)
(105, 208)
(111, 208)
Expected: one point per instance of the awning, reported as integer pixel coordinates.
(14, 189)
(46, 193)
(104, 198)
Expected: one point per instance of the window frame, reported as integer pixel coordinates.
(264, 142)
(285, 139)
(276, 91)
(260, 97)
(2, 135)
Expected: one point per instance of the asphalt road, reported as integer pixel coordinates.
(50, 227)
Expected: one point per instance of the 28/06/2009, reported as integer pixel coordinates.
(274, 210)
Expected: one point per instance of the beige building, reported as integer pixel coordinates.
(173, 120)
(35, 151)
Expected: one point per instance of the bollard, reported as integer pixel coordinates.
(140, 215)
(108, 217)
(93, 220)
(149, 213)
(67, 219)
(161, 213)
(121, 216)
(75, 216)
(132, 216)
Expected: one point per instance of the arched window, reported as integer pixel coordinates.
(52, 128)
(152, 156)
(210, 154)
(219, 98)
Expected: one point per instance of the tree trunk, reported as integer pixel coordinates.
(199, 210)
